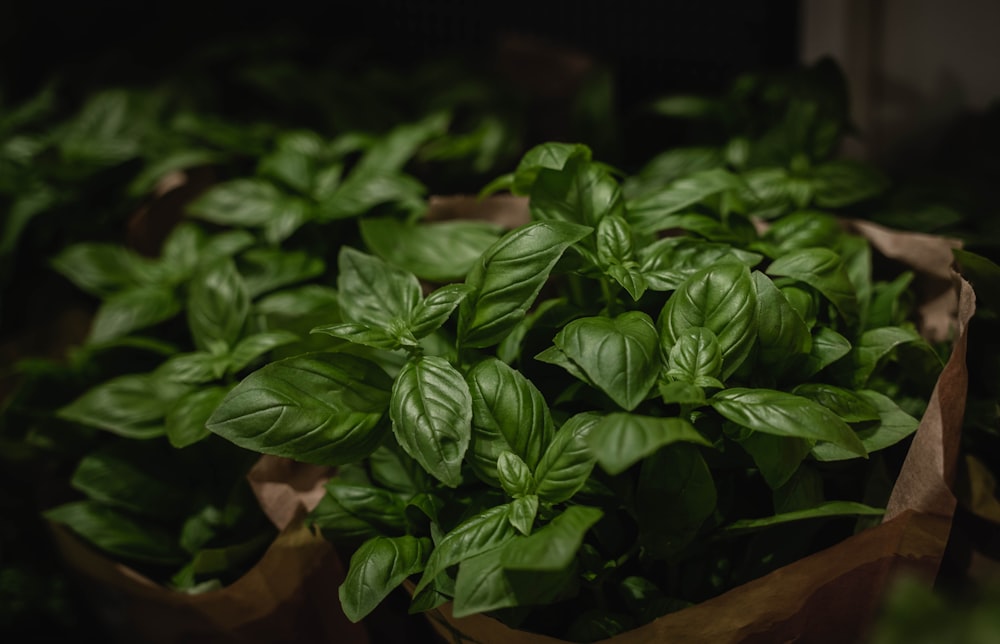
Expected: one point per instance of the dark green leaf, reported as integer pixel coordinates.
(823, 270)
(515, 476)
(784, 414)
(118, 534)
(431, 412)
(553, 547)
(373, 506)
(509, 414)
(849, 405)
(696, 358)
(132, 406)
(136, 476)
(241, 202)
(619, 355)
(681, 393)
(675, 494)
(158, 168)
(722, 299)
(875, 345)
(435, 251)
(777, 457)
(828, 346)
(829, 509)
(103, 269)
(621, 440)
(580, 192)
(894, 425)
(373, 292)
(668, 262)
(804, 229)
(646, 214)
(317, 408)
(552, 156)
(360, 193)
(186, 420)
(508, 278)
(267, 269)
(131, 310)
(567, 462)
(254, 346)
(435, 309)
(783, 338)
(218, 306)
(377, 568)
(842, 182)
(523, 511)
(194, 368)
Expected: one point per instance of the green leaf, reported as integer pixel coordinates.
(508, 278)
(620, 440)
(888, 305)
(317, 408)
(186, 420)
(435, 309)
(849, 405)
(377, 568)
(337, 523)
(197, 367)
(136, 476)
(509, 414)
(253, 203)
(843, 182)
(619, 354)
(580, 192)
(784, 414)
(614, 240)
(117, 533)
(363, 334)
(218, 306)
(360, 193)
(109, 129)
(478, 534)
(681, 393)
(696, 358)
(828, 346)
(523, 511)
(103, 269)
(438, 251)
(254, 346)
(674, 496)
(668, 262)
(894, 425)
(156, 169)
(431, 412)
(676, 163)
(783, 338)
(567, 462)
(646, 214)
(777, 457)
(823, 270)
(721, 299)
(552, 156)
(373, 292)
(132, 310)
(875, 345)
(393, 151)
(268, 269)
(515, 476)
(373, 506)
(804, 229)
(826, 510)
(553, 547)
(132, 406)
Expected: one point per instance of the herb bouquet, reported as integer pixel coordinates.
(632, 416)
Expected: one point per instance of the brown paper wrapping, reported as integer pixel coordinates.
(833, 595)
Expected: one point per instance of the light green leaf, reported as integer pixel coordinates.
(373, 292)
(696, 358)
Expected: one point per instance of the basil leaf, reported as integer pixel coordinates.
(240, 202)
(646, 213)
(523, 511)
(830, 509)
(509, 414)
(194, 368)
(696, 358)
(368, 336)
(361, 192)
(267, 269)
(102, 269)
(508, 278)
(784, 414)
(254, 346)
(828, 346)
(218, 306)
(722, 299)
(803, 490)
(567, 462)
(317, 408)
(783, 338)
(618, 354)
(614, 240)
(777, 457)
(888, 302)
(434, 251)
(894, 425)
(373, 292)
(556, 356)
(621, 440)
(369, 505)
(436, 308)
(553, 547)
(823, 270)
(674, 496)
(431, 411)
(849, 405)
(338, 523)
(132, 406)
(804, 229)
(579, 192)
(377, 568)
(186, 420)
(131, 310)
(117, 533)
(681, 393)
(481, 533)
(668, 262)
(547, 155)
(876, 344)
(842, 182)
(515, 476)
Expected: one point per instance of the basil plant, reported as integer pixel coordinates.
(618, 409)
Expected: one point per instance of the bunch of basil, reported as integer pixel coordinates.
(631, 403)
